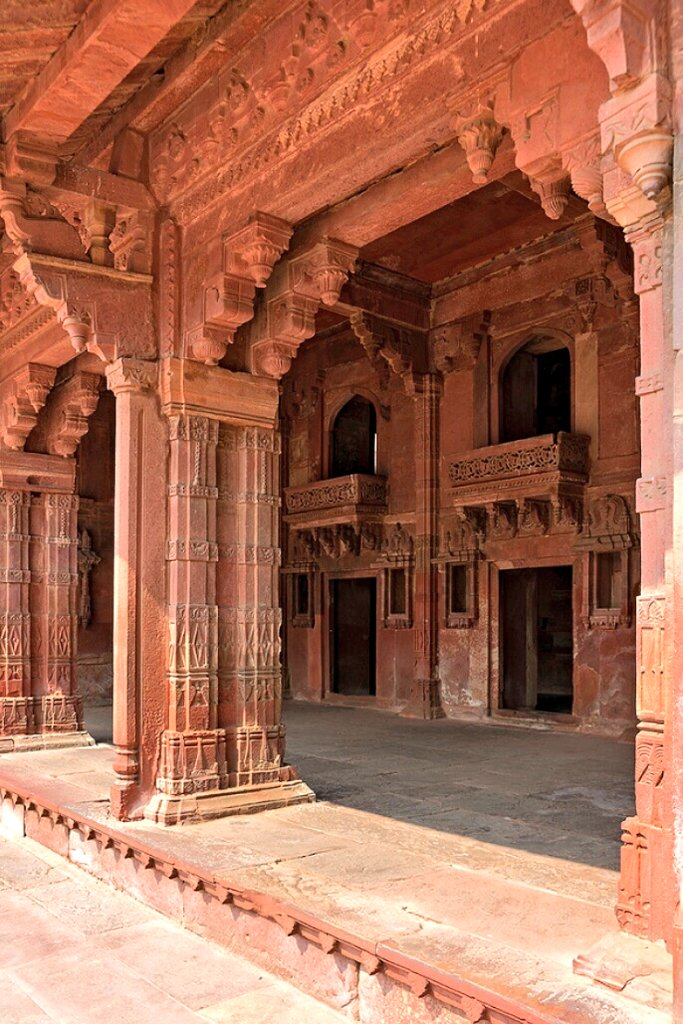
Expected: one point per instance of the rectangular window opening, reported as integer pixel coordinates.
(608, 579)
(457, 590)
(397, 592)
(301, 595)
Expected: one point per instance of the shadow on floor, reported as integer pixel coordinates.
(558, 794)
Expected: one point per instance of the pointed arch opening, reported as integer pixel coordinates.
(536, 390)
(353, 438)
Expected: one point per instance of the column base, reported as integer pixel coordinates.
(47, 722)
(218, 803)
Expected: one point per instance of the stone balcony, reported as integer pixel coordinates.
(551, 470)
(343, 499)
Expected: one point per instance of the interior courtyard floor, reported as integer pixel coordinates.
(484, 852)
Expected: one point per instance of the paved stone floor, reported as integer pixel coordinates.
(490, 851)
(75, 951)
(554, 793)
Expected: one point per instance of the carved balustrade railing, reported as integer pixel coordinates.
(551, 468)
(342, 499)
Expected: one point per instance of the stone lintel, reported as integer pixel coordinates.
(28, 471)
(192, 388)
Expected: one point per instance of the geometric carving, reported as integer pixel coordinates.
(568, 453)
(344, 495)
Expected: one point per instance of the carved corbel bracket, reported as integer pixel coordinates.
(290, 320)
(253, 251)
(619, 34)
(50, 289)
(553, 189)
(456, 346)
(321, 272)
(311, 277)
(28, 394)
(47, 233)
(249, 256)
(582, 161)
(29, 160)
(479, 134)
(67, 415)
(86, 300)
(636, 121)
(386, 344)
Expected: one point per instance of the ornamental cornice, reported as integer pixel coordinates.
(188, 200)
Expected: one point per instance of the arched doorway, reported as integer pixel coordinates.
(536, 390)
(353, 438)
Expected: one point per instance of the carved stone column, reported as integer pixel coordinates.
(426, 390)
(193, 757)
(39, 703)
(223, 750)
(250, 625)
(16, 711)
(140, 630)
(645, 893)
(54, 611)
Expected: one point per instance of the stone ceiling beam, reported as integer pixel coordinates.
(399, 199)
(112, 37)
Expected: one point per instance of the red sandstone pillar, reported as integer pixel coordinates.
(39, 703)
(646, 884)
(424, 701)
(54, 596)
(251, 632)
(16, 712)
(140, 628)
(223, 750)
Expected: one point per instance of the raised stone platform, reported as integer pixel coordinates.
(386, 920)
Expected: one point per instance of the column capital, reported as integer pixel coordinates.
(126, 375)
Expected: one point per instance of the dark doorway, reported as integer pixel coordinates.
(354, 438)
(536, 391)
(353, 625)
(536, 631)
